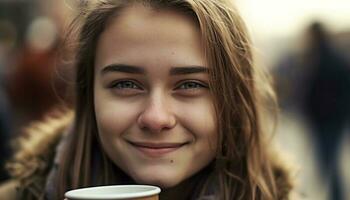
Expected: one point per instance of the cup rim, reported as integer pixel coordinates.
(76, 194)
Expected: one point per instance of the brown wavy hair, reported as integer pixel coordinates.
(242, 168)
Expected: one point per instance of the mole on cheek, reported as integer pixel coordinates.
(171, 161)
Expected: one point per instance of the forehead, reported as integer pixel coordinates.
(140, 16)
(140, 29)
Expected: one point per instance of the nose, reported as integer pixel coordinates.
(156, 116)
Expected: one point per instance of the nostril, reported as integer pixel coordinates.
(156, 124)
(155, 128)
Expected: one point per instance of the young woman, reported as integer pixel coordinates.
(166, 95)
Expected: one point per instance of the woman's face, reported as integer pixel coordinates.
(154, 110)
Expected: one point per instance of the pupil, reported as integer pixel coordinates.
(125, 85)
(191, 85)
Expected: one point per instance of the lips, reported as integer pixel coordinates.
(157, 149)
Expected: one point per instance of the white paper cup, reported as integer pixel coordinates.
(115, 192)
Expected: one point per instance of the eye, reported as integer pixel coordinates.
(191, 85)
(125, 85)
(191, 88)
(126, 88)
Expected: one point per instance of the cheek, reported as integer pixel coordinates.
(200, 119)
(114, 118)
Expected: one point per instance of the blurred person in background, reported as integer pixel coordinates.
(326, 102)
(35, 84)
(313, 84)
(31, 85)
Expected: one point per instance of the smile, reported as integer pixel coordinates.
(156, 149)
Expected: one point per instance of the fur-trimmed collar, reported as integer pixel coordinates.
(35, 150)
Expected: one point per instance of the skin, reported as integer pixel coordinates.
(154, 111)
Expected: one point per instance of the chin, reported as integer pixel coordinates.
(160, 181)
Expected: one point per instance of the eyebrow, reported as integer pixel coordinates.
(188, 70)
(139, 70)
(123, 68)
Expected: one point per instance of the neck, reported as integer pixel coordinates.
(187, 189)
(183, 190)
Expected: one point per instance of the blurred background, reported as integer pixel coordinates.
(306, 47)
(33, 75)
(304, 44)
